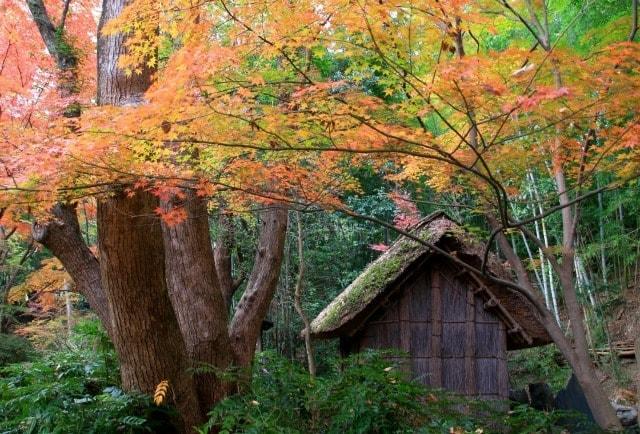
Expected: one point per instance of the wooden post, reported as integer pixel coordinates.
(404, 317)
(66, 289)
(436, 334)
(637, 351)
(470, 345)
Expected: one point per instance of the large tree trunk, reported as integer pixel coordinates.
(155, 287)
(197, 299)
(145, 329)
(115, 87)
(132, 258)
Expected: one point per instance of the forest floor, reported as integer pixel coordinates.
(623, 328)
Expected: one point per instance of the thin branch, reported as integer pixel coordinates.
(634, 20)
(65, 11)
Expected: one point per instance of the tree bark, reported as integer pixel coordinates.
(252, 308)
(145, 330)
(222, 255)
(146, 333)
(196, 298)
(51, 35)
(577, 358)
(115, 87)
(63, 238)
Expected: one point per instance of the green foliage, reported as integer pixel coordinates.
(526, 420)
(14, 349)
(65, 48)
(74, 390)
(540, 364)
(366, 393)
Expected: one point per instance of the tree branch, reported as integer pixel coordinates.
(50, 35)
(252, 308)
(634, 20)
(65, 11)
(62, 236)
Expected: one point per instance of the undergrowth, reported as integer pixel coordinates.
(540, 364)
(366, 393)
(75, 390)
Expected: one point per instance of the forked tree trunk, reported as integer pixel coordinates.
(155, 287)
(145, 330)
(132, 259)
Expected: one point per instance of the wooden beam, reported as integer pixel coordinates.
(470, 346)
(514, 326)
(436, 330)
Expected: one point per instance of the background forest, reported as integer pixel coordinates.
(266, 152)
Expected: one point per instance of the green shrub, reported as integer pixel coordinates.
(366, 393)
(540, 364)
(527, 420)
(14, 349)
(75, 391)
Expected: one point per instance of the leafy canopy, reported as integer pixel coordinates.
(274, 100)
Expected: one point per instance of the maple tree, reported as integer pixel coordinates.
(161, 328)
(267, 103)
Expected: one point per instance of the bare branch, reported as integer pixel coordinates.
(65, 11)
(634, 20)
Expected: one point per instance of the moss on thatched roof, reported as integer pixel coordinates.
(380, 274)
(393, 265)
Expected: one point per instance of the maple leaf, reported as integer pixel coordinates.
(172, 216)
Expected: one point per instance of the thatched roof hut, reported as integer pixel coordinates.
(456, 326)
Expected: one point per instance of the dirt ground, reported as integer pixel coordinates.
(621, 379)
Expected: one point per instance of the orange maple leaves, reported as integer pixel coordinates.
(243, 106)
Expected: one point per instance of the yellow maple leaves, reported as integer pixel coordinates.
(160, 394)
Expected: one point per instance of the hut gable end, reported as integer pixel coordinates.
(434, 319)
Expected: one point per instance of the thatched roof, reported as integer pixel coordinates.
(351, 308)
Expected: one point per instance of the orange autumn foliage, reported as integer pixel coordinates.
(241, 108)
(42, 286)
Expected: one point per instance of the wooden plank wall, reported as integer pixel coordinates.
(453, 342)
